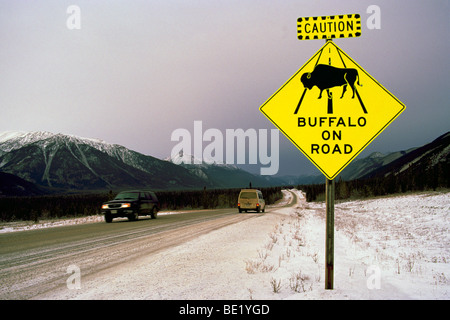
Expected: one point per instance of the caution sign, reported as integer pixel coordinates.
(331, 109)
(329, 27)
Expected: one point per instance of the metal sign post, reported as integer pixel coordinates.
(329, 237)
(329, 232)
(329, 198)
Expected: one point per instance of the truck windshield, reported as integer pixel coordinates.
(127, 196)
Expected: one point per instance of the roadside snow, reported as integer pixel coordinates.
(52, 223)
(385, 248)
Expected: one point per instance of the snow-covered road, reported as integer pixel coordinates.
(385, 248)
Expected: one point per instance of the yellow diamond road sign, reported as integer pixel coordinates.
(331, 109)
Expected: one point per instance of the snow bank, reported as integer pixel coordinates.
(385, 248)
(52, 223)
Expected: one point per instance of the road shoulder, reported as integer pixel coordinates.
(211, 266)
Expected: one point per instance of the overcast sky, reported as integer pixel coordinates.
(137, 70)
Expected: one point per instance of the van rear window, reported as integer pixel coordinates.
(248, 195)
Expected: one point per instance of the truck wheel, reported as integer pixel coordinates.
(133, 217)
(152, 213)
(108, 218)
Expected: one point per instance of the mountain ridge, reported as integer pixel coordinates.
(431, 156)
(416, 160)
(68, 162)
(71, 162)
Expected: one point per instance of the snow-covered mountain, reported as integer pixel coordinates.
(71, 162)
(424, 167)
(364, 166)
(187, 159)
(221, 175)
(12, 140)
(421, 164)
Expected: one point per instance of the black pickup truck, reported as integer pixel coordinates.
(131, 204)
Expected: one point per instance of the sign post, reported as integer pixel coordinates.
(329, 236)
(329, 220)
(331, 109)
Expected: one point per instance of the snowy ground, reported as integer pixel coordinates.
(385, 248)
(52, 223)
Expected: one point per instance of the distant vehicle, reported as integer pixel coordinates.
(131, 204)
(251, 199)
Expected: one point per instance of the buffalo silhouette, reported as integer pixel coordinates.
(326, 77)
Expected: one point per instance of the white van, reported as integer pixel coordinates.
(251, 199)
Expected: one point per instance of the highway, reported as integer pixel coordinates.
(38, 261)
